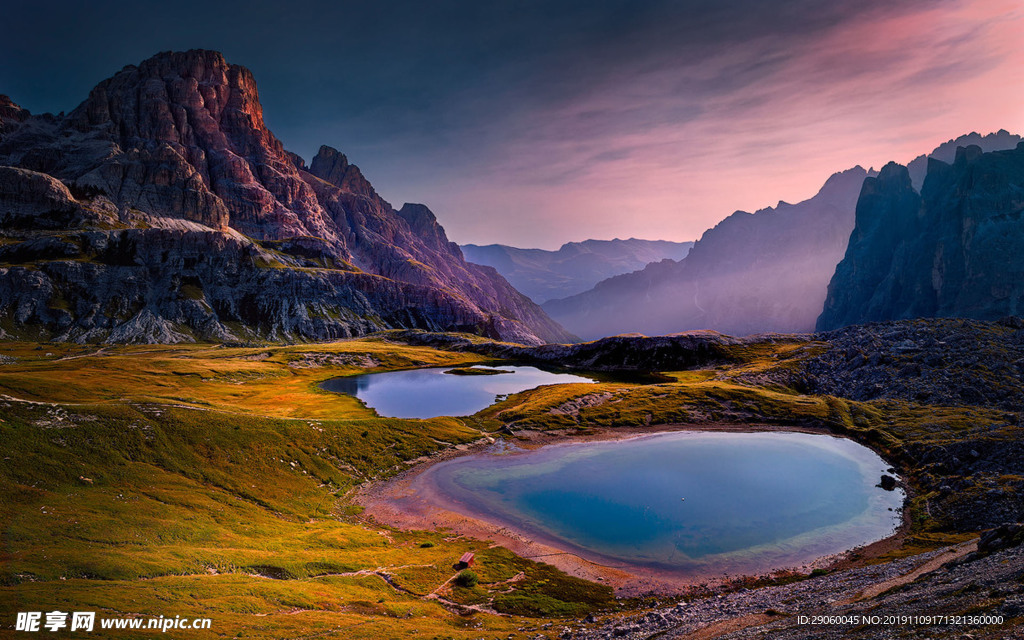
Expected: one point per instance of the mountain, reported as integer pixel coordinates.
(946, 152)
(761, 272)
(575, 266)
(753, 272)
(952, 250)
(163, 209)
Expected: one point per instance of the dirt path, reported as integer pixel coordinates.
(732, 625)
(958, 551)
(723, 627)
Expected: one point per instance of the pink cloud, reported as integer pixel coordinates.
(640, 156)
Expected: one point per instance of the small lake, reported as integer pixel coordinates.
(429, 393)
(697, 503)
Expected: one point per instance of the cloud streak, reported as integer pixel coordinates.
(535, 123)
(667, 148)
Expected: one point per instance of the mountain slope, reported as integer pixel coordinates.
(767, 271)
(753, 272)
(166, 187)
(954, 250)
(575, 266)
(946, 152)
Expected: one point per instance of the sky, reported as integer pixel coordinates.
(534, 123)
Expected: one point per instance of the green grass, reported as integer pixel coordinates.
(205, 481)
(211, 482)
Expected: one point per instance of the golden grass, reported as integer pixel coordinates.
(210, 482)
(274, 381)
(205, 481)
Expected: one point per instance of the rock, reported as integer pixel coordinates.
(178, 143)
(33, 200)
(1002, 537)
(887, 482)
(954, 250)
(885, 214)
(1013, 322)
(1012, 607)
(751, 273)
(943, 371)
(618, 353)
(9, 111)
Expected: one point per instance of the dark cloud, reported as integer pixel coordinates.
(484, 96)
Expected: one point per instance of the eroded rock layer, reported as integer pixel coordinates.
(163, 209)
(951, 251)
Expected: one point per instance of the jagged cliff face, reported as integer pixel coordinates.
(999, 141)
(753, 272)
(218, 232)
(952, 251)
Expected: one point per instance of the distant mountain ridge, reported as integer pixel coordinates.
(946, 152)
(163, 209)
(956, 249)
(575, 267)
(752, 273)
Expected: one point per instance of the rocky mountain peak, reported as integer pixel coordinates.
(419, 217)
(952, 251)
(333, 166)
(893, 173)
(178, 142)
(967, 155)
(9, 110)
(946, 152)
(330, 164)
(181, 135)
(424, 224)
(752, 272)
(173, 89)
(840, 185)
(10, 114)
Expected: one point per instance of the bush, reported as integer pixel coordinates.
(467, 579)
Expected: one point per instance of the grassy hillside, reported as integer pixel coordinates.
(206, 481)
(210, 482)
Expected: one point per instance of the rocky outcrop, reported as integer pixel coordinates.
(172, 162)
(619, 354)
(169, 285)
(575, 267)
(766, 271)
(753, 272)
(942, 362)
(999, 141)
(33, 200)
(841, 604)
(952, 251)
(886, 216)
(10, 112)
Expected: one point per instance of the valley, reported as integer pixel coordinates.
(217, 481)
(238, 385)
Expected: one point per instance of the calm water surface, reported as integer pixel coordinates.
(428, 393)
(692, 502)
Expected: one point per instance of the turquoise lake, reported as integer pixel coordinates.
(429, 393)
(691, 502)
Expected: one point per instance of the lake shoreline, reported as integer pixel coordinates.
(407, 502)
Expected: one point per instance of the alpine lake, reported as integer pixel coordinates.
(692, 503)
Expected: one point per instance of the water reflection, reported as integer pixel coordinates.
(428, 393)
